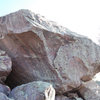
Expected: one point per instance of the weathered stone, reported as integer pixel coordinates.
(33, 91)
(90, 91)
(5, 66)
(4, 92)
(4, 89)
(4, 97)
(42, 50)
(62, 98)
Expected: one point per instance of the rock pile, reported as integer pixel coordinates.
(48, 61)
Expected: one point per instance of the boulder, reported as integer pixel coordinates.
(43, 50)
(90, 91)
(5, 66)
(36, 90)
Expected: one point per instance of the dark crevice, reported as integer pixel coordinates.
(79, 94)
(74, 91)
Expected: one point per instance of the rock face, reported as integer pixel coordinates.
(33, 91)
(90, 91)
(5, 66)
(42, 50)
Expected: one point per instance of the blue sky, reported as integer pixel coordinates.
(81, 16)
(8, 6)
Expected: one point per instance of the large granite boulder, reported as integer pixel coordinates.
(5, 66)
(42, 50)
(36, 90)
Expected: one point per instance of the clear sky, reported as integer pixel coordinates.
(81, 16)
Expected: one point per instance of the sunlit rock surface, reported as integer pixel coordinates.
(41, 50)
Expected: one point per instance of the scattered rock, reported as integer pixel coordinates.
(41, 50)
(33, 91)
(90, 91)
(5, 66)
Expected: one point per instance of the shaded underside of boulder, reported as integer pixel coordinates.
(41, 50)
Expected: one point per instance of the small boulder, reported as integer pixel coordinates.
(36, 90)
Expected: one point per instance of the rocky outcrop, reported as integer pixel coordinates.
(33, 91)
(5, 66)
(41, 50)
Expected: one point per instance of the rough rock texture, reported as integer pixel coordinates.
(4, 97)
(90, 91)
(42, 50)
(4, 89)
(5, 66)
(36, 90)
(4, 92)
(62, 98)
